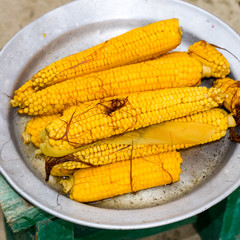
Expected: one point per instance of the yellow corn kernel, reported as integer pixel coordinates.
(176, 69)
(93, 184)
(120, 115)
(232, 102)
(215, 64)
(139, 44)
(232, 89)
(198, 129)
(34, 127)
(22, 93)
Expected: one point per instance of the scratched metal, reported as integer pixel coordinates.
(209, 173)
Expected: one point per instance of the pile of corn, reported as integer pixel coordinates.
(112, 117)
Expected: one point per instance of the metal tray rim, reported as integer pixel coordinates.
(137, 217)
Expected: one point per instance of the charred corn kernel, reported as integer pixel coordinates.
(176, 69)
(137, 45)
(35, 126)
(215, 64)
(232, 89)
(124, 114)
(198, 129)
(93, 184)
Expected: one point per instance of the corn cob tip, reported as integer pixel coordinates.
(214, 63)
(231, 121)
(34, 127)
(26, 137)
(232, 103)
(67, 184)
(22, 93)
(232, 90)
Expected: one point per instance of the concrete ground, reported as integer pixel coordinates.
(15, 14)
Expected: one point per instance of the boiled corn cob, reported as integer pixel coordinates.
(193, 130)
(232, 89)
(172, 70)
(137, 45)
(213, 61)
(93, 184)
(232, 102)
(89, 122)
(35, 126)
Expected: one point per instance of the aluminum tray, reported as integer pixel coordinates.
(209, 173)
